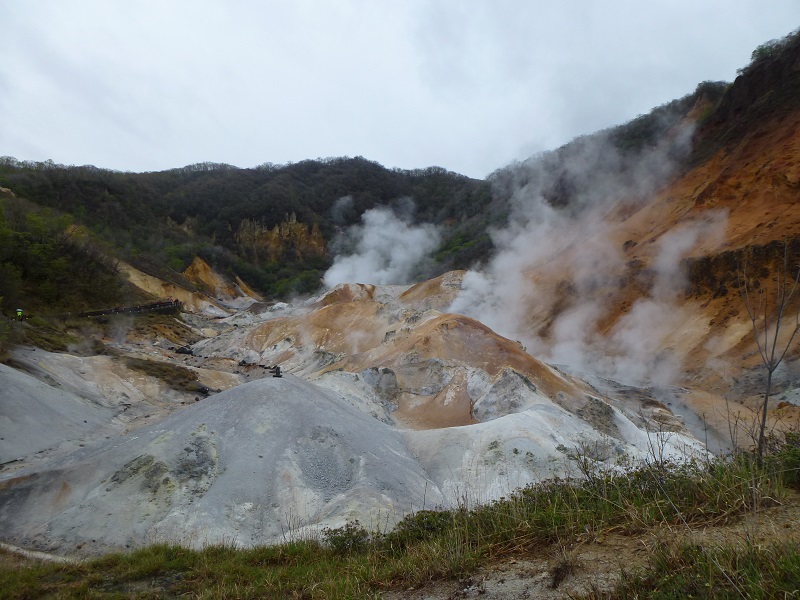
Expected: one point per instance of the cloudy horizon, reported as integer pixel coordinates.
(465, 85)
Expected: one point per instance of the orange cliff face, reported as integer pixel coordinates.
(753, 187)
(288, 238)
(203, 290)
(201, 274)
(742, 204)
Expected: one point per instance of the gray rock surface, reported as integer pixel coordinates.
(263, 461)
(35, 416)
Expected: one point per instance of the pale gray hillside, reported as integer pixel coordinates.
(244, 466)
(35, 416)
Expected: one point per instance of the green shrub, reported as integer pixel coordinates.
(421, 525)
(352, 538)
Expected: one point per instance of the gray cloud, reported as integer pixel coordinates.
(463, 84)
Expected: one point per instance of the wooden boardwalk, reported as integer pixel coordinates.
(166, 306)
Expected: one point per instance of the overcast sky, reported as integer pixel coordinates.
(463, 84)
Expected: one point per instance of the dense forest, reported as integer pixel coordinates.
(160, 221)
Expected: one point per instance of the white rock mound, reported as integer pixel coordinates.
(249, 466)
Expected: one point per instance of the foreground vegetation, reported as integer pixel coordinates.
(352, 562)
(694, 571)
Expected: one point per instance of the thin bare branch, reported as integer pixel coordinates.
(753, 314)
(771, 350)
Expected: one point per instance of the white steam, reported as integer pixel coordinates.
(564, 206)
(639, 349)
(384, 249)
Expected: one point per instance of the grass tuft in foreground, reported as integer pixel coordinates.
(692, 571)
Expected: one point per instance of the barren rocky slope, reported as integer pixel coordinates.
(395, 407)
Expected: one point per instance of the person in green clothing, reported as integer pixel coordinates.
(19, 314)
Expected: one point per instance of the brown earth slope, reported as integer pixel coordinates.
(743, 198)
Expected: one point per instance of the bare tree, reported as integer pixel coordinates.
(767, 319)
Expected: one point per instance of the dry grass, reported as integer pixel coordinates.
(177, 377)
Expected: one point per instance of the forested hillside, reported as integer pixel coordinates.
(164, 219)
(48, 264)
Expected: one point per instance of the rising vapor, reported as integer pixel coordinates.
(563, 208)
(383, 249)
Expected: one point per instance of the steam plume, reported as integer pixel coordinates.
(383, 249)
(563, 207)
